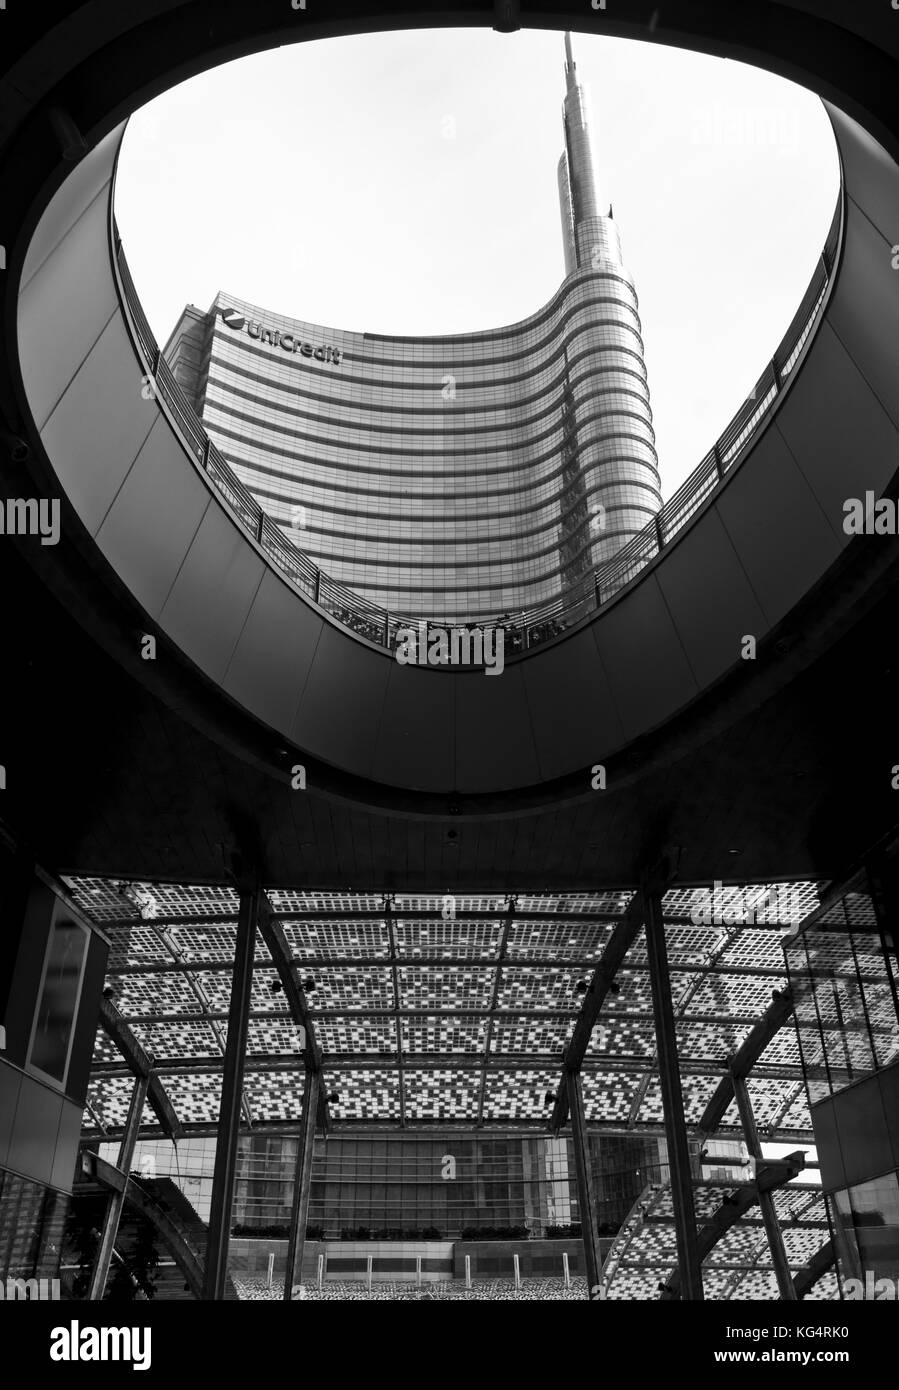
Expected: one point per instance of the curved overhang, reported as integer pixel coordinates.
(768, 534)
(150, 527)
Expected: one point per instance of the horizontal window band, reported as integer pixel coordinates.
(441, 416)
(559, 307)
(461, 372)
(578, 431)
(515, 488)
(631, 365)
(372, 589)
(395, 560)
(352, 447)
(437, 544)
(389, 514)
(402, 529)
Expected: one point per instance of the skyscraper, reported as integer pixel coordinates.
(453, 477)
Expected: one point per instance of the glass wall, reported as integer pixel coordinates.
(866, 1228)
(438, 1187)
(843, 972)
(842, 968)
(458, 478)
(32, 1220)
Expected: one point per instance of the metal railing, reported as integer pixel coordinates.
(533, 626)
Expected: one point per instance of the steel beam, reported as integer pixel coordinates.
(302, 1185)
(672, 1097)
(231, 1101)
(773, 1174)
(789, 1072)
(586, 1196)
(494, 1001)
(272, 933)
(617, 947)
(882, 882)
(818, 1265)
(746, 1056)
(397, 1010)
(116, 1199)
(459, 962)
(766, 1201)
(790, 1099)
(461, 1011)
(374, 914)
(140, 1064)
(371, 1128)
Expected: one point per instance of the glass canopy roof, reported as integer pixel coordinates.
(438, 1010)
(644, 1254)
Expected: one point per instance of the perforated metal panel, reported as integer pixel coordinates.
(446, 1009)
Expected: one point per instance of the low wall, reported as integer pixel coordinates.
(391, 1259)
(397, 1259)
(249, 1256)
(536, 1258)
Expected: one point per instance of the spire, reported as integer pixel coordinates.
(577, 175)
(569, 61)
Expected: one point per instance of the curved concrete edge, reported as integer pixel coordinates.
(763, 540)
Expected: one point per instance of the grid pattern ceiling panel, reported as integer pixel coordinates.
(738, 1265)
(432, 1007)
(364, 940)
(423, 939)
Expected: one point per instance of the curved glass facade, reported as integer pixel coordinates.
(465, 477)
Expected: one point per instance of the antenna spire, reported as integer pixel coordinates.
(569, 59)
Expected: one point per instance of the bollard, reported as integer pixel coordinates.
(565, 1269)
(368, 1265)
(321, 1269)
(517, 1271)
(271, 1269)
(468, 1271)
(418, 1270)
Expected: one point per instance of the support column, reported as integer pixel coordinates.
(766, 1200)
(229, 1110)
(116, 1200)
(585, 1194)
(672, 1099)
(302, 1185)
(882, 885)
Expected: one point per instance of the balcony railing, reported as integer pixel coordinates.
(534, 626)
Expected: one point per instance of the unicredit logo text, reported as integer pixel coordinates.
(289, 342)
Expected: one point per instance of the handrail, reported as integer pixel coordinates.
(548, 620)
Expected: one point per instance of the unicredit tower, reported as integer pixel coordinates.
(455, 478)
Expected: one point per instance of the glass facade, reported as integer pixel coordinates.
(467, 477)
(441, 1049)
(407, 1006)
(842, 968)
(434, 1187)
(32, 1221)
(843, 971)
(866, 1222)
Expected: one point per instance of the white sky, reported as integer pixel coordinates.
(406, 183)
(810, 1175)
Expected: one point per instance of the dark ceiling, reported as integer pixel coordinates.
(105, 777)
